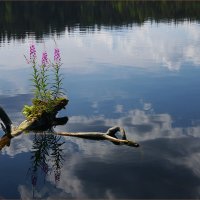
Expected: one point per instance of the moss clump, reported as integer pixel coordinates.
(40, 107)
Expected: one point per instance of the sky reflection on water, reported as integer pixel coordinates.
(150, 45)
(159, 169)
(144, 78)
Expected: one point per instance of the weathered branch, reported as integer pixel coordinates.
(110, 135)
(5, 139)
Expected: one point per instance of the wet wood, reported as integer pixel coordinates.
(110, 135)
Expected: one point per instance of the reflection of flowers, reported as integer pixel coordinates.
(46, 156)
(57, 156)
(33, 179)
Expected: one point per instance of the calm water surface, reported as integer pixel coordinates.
(144, 78)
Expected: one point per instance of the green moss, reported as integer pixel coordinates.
(39, 107)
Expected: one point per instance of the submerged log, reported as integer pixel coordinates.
(110, 135)
(28, 125)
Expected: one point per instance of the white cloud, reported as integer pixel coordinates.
(147, 106)
(94, 105)
(193, 162)
(69, 182)
(150, 47)
(139, 125)
(19, 144)
(147, 46)
(119, 109)
(44, 192)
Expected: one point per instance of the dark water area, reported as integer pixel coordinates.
(130, 64)
(20, 19)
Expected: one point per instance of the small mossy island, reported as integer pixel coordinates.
(48, 100)
(39, 107)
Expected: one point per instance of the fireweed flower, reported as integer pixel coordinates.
(44, 58)
(57, 57)
(32, 53)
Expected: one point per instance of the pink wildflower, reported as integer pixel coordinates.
(44, 58)
(32, 53)
(57, 57)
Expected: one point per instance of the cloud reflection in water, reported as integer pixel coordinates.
(166, 166)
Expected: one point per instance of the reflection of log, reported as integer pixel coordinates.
(110, 135)
(4, 141)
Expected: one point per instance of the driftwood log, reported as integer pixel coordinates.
(27, 125)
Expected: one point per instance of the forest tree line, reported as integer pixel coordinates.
(40, 17)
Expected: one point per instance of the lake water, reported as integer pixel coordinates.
(141, 76)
